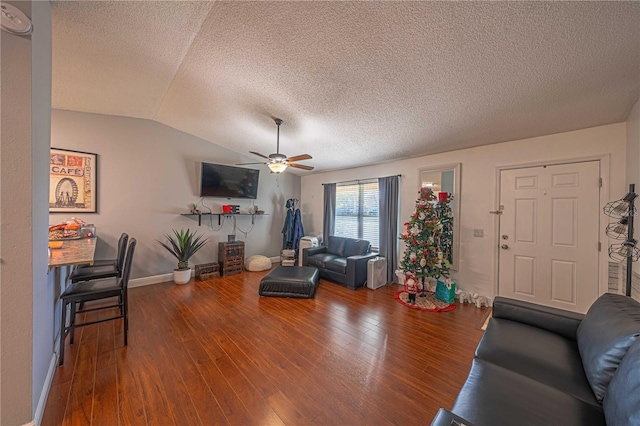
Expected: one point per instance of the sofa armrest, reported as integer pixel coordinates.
(310, 251)
(447, 418)
(559, 321)
(357, 269)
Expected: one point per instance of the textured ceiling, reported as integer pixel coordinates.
(356, 83)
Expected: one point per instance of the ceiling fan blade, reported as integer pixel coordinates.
(300, 157)
(246, 164)
(300, 166)
(259, 155)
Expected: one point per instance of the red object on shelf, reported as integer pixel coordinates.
(443, 197)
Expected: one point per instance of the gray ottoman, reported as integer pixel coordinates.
(290, 281)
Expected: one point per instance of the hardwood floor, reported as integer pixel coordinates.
(214, 352)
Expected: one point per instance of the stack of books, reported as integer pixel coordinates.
(288, 257)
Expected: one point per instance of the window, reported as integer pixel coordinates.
(357, 210)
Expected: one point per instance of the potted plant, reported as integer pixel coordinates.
(182, 245)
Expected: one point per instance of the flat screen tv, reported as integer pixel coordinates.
(217, 180)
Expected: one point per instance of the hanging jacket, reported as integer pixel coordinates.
(287, 230)
(298, 230)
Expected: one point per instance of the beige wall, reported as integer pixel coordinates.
(633, 146)
(478, 256)
(26, 290)
(16, 258)
(633, 176)
(44, 292)
(147, 176)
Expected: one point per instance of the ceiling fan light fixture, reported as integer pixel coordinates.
(277, 167)
(277, 162)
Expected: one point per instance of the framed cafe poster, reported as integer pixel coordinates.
(72, 181)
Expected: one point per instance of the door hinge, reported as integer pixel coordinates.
(599, 246)
(600, 182)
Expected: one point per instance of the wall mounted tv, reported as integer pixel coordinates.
(217, 180)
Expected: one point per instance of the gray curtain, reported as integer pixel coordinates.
(388, 188)
(329, 218)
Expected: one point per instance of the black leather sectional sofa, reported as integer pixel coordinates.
(543, 366)
(342, 259)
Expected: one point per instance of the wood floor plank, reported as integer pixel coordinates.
(131, 407)
(155, 399)
(216, 353)
(80, 404)
(56, 404)
(105, 400)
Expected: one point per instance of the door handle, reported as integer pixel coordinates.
(504, 247)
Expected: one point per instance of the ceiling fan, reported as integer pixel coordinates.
(277, 162)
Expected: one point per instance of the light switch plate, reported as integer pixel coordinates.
(479, 233)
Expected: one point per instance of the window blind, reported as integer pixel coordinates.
(357, 211)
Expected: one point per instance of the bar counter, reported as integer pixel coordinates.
(73, 252)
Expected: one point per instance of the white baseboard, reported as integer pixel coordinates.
(154, 279)
(163, 278)
(42, 401)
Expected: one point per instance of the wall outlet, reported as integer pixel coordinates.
(479, 233)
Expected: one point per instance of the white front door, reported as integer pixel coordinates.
(549, 230)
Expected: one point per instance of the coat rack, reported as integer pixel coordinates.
(624, 210)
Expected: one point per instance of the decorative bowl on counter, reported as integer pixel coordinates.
(55, 244)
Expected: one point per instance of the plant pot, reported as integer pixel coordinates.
(181, 276)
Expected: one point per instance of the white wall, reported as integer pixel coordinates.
(633, 170)
(478, 196)
(147, 177)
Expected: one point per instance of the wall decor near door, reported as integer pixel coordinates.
(624, 210)
(72, 181)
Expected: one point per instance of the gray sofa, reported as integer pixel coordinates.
(342, 259)
(542, 366)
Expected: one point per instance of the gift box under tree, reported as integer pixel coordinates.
(446, 291)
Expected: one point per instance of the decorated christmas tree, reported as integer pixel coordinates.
(428, 237)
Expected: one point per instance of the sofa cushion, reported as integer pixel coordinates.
(335, 245)
(320, 260)
(339, 265)
(546, 357)
(604, 336)
(622, 400)
(493, 395)
(356, 247)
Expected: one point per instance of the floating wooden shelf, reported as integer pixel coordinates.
(223, 214)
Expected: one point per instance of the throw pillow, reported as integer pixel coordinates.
(604, 336)
(622, 400)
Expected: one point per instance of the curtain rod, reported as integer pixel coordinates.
(358, 180)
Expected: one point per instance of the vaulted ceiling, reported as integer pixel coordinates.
(356, 83)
